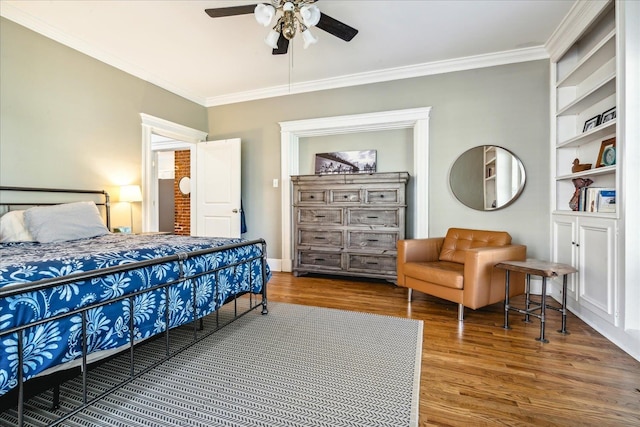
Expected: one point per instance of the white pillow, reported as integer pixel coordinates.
(13, 229)
(60, 223)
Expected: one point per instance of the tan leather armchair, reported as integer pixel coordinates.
(461, 267)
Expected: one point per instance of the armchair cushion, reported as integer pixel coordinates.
(443, 273)
(458, 240)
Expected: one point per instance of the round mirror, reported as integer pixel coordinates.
(185, 185)
(487, 178)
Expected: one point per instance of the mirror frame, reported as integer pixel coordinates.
(513, 198)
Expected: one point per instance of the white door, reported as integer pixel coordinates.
(218, 188)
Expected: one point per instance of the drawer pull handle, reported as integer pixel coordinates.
(312, 197)
(346, 197)
(320, 259)
(372, 240)
(320, 216)
(382, 196)
(372, 217)
(319, 238)
(372, 263)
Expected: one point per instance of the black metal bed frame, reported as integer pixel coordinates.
(16, 289)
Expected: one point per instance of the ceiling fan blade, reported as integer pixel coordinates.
(283, 46)
(230, 11)
(337, 28)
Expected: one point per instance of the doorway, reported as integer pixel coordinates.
(160, 135)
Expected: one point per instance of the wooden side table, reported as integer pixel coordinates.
(544, 269)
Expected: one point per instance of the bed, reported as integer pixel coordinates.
(72, 294)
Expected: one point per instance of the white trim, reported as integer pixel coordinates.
(158, 126)
(291, 132)
(574, 24)
(430, 68)
(397, 73)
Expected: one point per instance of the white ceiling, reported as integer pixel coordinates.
(177, 46)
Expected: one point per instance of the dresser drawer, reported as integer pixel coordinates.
(345, 196)
(380, 217)
(319, 216)
(372, 240)
(373, 263)
(382, 196)
(320, 238)
(308, 259)
(312, 196)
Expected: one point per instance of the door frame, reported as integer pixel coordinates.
(291, 132)
(184, 138)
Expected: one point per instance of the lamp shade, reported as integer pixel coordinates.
(310, 15)
(130, 193)
(264, 13)
(308, 38)
(272, 39)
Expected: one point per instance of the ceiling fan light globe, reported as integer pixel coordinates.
(272, 39)
(308, 38)
(310, 15)
(288, 7)
(264, 14)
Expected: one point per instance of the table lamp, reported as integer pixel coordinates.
(130, 194)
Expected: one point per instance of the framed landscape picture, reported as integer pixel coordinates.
(363, 161)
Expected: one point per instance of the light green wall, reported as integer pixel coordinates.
(505, 105)
(71, 121)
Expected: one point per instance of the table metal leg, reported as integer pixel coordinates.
(564, 307)
(506, 301)
(543, 306)
(527, 292)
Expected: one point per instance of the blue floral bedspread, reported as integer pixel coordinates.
(60, 341)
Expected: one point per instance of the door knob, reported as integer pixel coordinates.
(235, 211)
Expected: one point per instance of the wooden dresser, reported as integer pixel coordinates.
(348, 224)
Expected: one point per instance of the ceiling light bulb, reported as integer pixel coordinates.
(264, 14)
(272, 39)
(310, 15)
(288, 7)
(308, 38)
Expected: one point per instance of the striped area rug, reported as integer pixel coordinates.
(297, 366)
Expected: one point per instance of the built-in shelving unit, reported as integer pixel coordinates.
(585, 81)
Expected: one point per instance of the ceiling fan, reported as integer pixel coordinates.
(293, 15)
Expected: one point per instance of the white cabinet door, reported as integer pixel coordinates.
(589, 245)
(564, 250)
(597, 267)
(218, 188)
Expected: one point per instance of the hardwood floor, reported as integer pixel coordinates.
(476, 373)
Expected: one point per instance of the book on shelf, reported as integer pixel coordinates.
(597, 199)
(606, 201)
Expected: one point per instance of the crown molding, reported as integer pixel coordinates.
(573, 25)
(419, 70)
(398, 73)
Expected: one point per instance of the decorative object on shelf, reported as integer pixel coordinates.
(579, 183)
(292, 15)
(607, 154)
(577, 167)
(592, 123)
(609, 115)
(346, 162)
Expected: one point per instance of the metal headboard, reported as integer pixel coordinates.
(106, 203)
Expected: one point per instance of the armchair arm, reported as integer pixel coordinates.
(483, 283)
(417, 250)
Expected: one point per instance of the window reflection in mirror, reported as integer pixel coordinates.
(487, 178)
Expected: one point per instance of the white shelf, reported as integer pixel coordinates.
(605, 88)
(592, 61)
(591, 172)
(590, 135)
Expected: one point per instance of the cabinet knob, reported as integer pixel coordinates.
(311, 197)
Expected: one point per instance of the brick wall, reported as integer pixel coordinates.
(182, 201)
